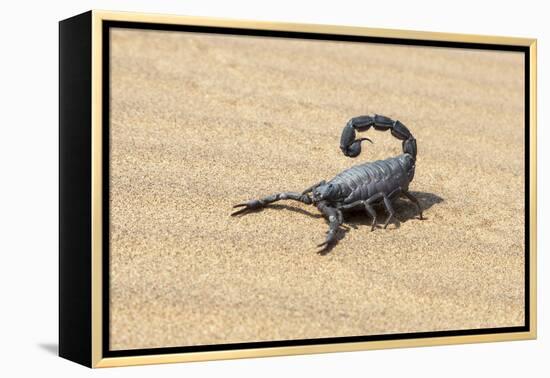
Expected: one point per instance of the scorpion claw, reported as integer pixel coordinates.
(331, 238)
(325, 243)
(246, 206)
(238, 212)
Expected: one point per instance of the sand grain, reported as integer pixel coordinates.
(201, 122)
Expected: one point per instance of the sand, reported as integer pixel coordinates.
(201, 122)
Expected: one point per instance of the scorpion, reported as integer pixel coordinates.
(361, 186)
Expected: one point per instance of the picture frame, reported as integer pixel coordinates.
(87, 106)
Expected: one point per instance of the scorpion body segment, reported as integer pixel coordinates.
(363, 185)
(382, 176)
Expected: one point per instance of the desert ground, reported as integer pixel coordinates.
(202, 122)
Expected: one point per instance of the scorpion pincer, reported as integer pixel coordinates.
(361, 186)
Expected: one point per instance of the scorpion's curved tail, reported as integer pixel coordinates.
(352, 147)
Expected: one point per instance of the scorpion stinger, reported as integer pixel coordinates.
(361, 186)
(351, 147)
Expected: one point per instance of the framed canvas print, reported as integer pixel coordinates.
(234, 189)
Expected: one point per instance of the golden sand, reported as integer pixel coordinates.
(201, 122)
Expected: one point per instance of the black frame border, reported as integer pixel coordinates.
(75, 181)
(107, 25)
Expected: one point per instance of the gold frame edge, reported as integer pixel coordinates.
(311, 28)
(533, 187)
(309, 349)
(97, 192)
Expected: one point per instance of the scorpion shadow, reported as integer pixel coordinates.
(404, 211)
(354, 219)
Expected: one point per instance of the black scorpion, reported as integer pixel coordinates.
(363, 185)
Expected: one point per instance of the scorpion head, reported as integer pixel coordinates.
(325, 192)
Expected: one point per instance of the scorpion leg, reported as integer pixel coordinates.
(260, 203)
(335, 219)
(352, 205)
(414, 200)
(389, 209)
(370, 210)
(372, 213)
